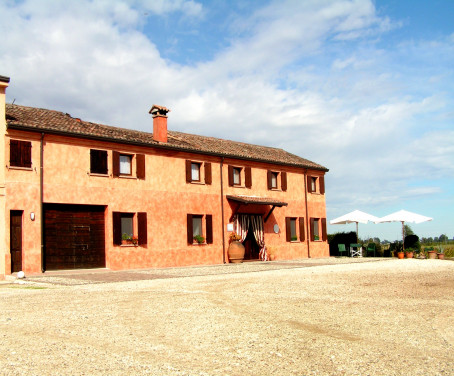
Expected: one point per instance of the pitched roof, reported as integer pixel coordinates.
(50, 121)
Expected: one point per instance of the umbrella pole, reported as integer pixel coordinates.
(357, 232)
(403, 236)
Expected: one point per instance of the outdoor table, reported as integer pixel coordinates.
(356, 252)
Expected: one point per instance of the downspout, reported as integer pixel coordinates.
(308, 237)
(41, 200)
(222, 211)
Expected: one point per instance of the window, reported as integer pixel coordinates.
(273, 180)
(196, 170)
(20, 153)
(125, 224)
(238, 175)
(98, 161)
(292, 226)
(315, 229)
(125, 164)
(122, 164)
(195, 227)
(316, 184)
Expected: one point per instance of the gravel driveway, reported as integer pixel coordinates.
(389, 317)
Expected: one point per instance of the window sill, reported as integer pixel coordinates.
(127, 177)
(197, 244)
(20, 168)
(197, 182)
(98, 175)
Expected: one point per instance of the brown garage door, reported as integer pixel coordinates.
(73, 237)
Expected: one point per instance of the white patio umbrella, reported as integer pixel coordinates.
(356, 216)
(404, 216)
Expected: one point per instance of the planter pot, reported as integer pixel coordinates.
(409, 254)
(432, 254)
(236, 252)
(400, 255)
(441, 256)
(272, 257)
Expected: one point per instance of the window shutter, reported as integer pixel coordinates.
(188, 171)
(322, 184)
(103, 162)
(309, 183)
(27, 154)
(14, 156)
(312, 229)
(116, 163)
(269, 178)
(140, 166)
(324, 236)
(142, 228)
(209, 233)
(116, 220)
(284, 181)
(302, 234)
(189, 226)
(288, 230)
(230, 170)
(247, 177)
(208, 173)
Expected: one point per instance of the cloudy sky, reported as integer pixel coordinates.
(362, 87)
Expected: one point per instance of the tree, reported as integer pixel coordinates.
(408, 230)
(442, 238)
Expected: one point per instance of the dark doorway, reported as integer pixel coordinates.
(16, 240)
(74, 236)
(251, 248)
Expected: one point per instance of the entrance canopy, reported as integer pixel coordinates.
(256, 200)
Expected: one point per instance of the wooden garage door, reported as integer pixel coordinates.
(73, 237)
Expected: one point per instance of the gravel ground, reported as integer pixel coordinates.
(388, 317)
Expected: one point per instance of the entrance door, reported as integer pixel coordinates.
(251, 248)
(16, 240)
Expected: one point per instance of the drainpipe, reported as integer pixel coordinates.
(41, 200)
(307, 216)
(222, 211)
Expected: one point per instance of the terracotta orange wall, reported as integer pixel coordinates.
(164, 195)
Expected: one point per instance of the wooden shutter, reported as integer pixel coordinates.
(116, 163)
(302, 234)
(209, 232)
(322, 185)
(14, 153)
(324, 235)
(142, 228)
(288, 230)
(247, 177)
(188, 171)
(312, 229)
(140, 166)
(284, 181)
(309, 183)
(269, 178)
(26, 154)
(20, 153)
(230, 171)
(116, 220)
(208, 178)
(189, 229)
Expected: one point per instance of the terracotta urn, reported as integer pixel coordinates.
(432, 254)
(409, 254)
(400, 255)
(236, 252)
(441, 256)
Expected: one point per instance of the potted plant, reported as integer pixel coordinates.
(126, 239)
(236, 249)
(199, 239)
(431, 252)
(409, 252)
(399, 252)
(441, 253)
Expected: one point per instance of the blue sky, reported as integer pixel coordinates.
(362, 87)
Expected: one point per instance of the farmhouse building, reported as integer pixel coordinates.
(74, 194)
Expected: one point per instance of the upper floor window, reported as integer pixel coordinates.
(277, 180)
(98, 161)
(195, 171)
(316, 184)
(122, 164)
(240, 177)
(20, 153)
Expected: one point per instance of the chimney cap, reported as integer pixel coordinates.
(158, 110)
(4, 79)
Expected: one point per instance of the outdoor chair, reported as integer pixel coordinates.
(342, 249)
(370, 249)
(356, 250)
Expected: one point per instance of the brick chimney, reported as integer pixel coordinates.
(159, 114)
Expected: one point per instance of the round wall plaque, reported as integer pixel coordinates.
(276, 228)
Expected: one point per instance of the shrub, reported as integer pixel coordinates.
(346, 238)
(412, 241)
